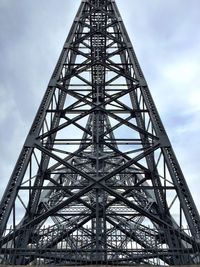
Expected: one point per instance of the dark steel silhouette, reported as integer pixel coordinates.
(97, 181)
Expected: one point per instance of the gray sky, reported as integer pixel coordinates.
(166, 38)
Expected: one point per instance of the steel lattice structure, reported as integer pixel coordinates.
(97, 180)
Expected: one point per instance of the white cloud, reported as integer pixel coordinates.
(182, 72)
(194, 99)
(6, 103)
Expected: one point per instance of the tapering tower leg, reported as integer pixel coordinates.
(97, 181)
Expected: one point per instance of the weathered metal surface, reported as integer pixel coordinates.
(97, 181)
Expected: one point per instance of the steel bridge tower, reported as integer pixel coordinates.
(97, 181)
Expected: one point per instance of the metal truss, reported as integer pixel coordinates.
(97, 181)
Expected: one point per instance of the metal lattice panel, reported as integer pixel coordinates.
(97, 181)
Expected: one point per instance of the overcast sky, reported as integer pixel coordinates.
(166, 38)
